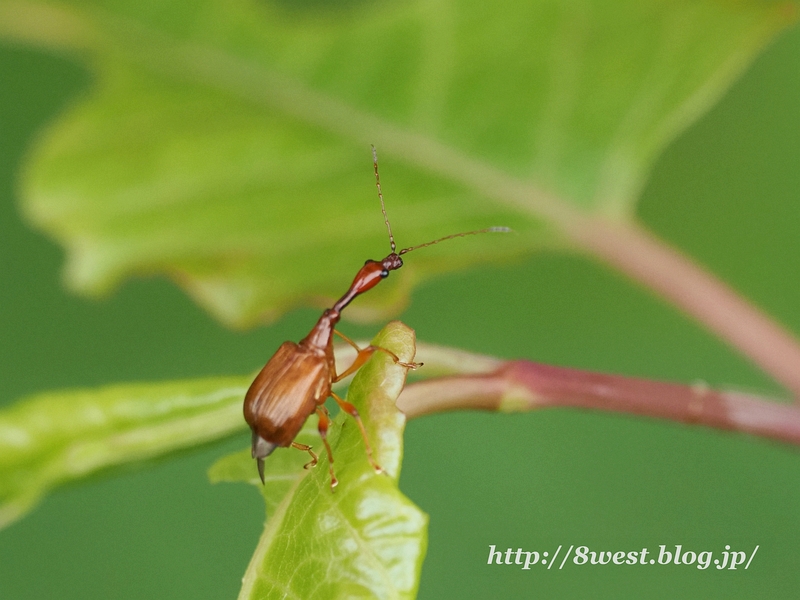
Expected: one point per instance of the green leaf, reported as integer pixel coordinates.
(56, 437)
(363, 540)
(226, 143)
(281, 472)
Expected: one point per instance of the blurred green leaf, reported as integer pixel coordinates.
(56, 437)
(363, 540)
(226, 143)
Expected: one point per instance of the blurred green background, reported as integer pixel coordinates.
(725, 192)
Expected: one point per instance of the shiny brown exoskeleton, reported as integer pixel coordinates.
(297, 380)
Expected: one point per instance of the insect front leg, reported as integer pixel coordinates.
(364, 355)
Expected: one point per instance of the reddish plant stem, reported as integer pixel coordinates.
(524, 385)
(674, 276)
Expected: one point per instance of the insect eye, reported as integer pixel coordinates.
(384, 273)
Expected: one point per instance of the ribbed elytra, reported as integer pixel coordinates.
(297, 380)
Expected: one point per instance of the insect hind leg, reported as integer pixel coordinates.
(307, 448)
(322, 427)
(351, 410)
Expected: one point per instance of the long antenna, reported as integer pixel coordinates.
(455, 235)
(380, 195)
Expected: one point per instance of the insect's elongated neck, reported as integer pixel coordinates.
(367, 278)
(320, 336)
(370, 275)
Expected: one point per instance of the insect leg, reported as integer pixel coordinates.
(364, 355)
(306, 448)
(324, 422)
(353, 412)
